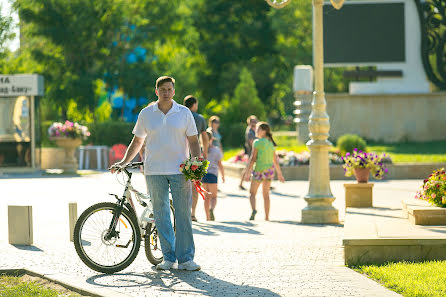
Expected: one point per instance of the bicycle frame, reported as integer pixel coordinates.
(127, 201)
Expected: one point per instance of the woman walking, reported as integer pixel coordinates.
(210, 180)
(214, 124)
(265, 159)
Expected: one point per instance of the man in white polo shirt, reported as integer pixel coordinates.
(168, 128)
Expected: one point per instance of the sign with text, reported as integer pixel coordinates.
(21, 85)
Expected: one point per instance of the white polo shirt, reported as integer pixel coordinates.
(166, 142)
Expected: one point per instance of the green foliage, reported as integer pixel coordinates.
(5, 32)
(347, 142)
(410, 279)
(111, 132)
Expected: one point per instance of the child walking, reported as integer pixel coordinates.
(211, 178)
(265, 159)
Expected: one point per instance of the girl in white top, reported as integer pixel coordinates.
(210, 180)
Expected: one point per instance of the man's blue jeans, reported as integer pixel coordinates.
(182, 247)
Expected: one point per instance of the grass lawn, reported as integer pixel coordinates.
(410, 152)
(410, 279)
(11, 286)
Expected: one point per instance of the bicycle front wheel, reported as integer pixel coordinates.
(102, 249)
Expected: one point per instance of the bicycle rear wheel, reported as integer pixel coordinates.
(152, 244)
(105, 250)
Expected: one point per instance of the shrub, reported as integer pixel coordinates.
(112, 132)
(233, 135)
(348, 142)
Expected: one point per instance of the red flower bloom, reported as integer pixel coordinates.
(182, 165)
(194, 167)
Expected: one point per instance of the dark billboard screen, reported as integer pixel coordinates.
(364, 33)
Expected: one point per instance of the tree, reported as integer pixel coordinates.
(72, 39)
(234, 111)
(232, 34)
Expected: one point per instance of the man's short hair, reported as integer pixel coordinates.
(164, 79)
(250, 118)
(189, 101)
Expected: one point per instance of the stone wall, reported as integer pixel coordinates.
(389, 118)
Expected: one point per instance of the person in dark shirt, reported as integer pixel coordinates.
(192, 103)
(250, 136)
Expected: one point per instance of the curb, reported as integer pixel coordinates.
(66, 281)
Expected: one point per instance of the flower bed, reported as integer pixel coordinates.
(433, 189)
(69, 130)
(289, 158)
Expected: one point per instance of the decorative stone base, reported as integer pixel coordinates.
(359, 195)
(320, 215)
(420, 212)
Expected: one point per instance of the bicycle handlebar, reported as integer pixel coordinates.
(128, 165)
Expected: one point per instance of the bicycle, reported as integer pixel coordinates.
(107, 236)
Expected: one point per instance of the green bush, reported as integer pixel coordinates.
(347, 142)
(233, 135)
(110, 133)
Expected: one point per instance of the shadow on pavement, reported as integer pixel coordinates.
(199, 283)
(285, 195)
(311, 225)
(27, 247)
(227, 227)
(376, 215)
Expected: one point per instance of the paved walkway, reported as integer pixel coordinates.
(239, 257)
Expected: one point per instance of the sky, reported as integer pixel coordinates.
(6, 10)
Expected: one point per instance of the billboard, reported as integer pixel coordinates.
(364, 34)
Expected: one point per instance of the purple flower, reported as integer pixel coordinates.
(355, 149)
(347, 154)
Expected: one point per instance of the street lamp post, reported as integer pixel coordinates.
(319, 197)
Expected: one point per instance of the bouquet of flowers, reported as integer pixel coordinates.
(360, 159)
(68, 129)
(434, 188)
(194, 169)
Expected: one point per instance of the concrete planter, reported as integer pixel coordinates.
(396, 171)
(358, 195)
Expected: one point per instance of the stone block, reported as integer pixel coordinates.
(420, 212)
(72, 217)
(359, 195)
(20, 225)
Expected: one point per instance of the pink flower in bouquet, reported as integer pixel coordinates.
(194, 167)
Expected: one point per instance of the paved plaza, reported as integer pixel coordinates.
(238, 257)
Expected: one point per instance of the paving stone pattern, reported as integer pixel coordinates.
(238, 257)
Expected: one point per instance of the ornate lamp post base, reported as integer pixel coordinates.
(320, 211)
(319, 198)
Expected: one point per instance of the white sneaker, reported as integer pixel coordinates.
(165, 265)
(189, 265)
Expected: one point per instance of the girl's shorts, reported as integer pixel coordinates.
(263, 175)
(209, 178)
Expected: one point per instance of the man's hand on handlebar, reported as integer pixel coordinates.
(116, 167)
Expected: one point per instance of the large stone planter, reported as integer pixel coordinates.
(69, 145)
